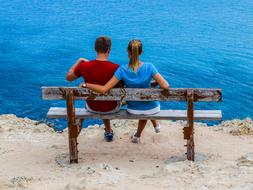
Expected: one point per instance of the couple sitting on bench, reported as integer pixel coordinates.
(101, 75)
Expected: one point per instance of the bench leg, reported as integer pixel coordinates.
(79, 125)
(73, 152)
(190, 149)
(189, 130)
(72, 127)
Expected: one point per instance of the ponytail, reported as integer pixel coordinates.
(135, 49)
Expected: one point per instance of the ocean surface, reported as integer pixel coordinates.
(202, 44)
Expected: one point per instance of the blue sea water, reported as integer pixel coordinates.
(192, 43)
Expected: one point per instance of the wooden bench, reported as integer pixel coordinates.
(75, 116)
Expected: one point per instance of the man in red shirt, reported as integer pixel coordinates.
(98, 71)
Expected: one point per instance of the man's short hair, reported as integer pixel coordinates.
(103, 44)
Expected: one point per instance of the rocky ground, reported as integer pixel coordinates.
(33, 156)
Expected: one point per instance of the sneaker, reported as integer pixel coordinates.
(158, 128)
(108, 136)
(135, 139)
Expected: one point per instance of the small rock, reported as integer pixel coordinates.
(90, 170)
(246, 160)
(74, 187)
(21, 181)
(62, 160)
(38, 122)
(1, 129)
(106, 167)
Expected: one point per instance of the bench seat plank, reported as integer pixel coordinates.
(57, 112)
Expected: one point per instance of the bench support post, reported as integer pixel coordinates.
(72, 127)
(79, 125)
(189, 130)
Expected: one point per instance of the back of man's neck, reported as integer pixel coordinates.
(102, 57)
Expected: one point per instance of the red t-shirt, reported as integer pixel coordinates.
(97, 72)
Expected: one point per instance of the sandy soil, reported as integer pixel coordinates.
(33, 156)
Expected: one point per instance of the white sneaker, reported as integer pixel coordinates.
(158, 128)
(135, 139)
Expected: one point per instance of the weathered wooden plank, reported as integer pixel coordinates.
(72, 127)
(56, 112)
(134, 94)
(190, 126)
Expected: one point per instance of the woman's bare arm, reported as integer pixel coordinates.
(161, 81)
(103, 89)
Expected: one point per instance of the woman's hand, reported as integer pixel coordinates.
(153, 84)
(82, 85)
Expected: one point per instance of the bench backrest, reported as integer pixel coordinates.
(134, 94)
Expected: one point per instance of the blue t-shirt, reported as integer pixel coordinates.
(139, 79)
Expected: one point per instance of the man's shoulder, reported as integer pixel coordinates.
(105, 62)
(113, 63)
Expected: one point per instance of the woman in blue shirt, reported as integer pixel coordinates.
(136, 74)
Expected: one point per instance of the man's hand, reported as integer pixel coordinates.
(71, 75)
(83, 59)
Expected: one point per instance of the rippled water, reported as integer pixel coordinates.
(192, 43)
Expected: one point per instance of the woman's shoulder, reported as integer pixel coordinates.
(148, 64)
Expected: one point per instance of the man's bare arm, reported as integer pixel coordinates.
(71, 75)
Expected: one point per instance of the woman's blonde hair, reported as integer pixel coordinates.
(135, 49)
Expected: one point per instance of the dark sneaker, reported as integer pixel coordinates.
(108, 136)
